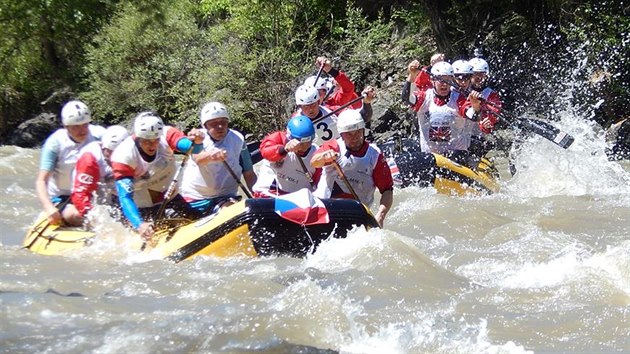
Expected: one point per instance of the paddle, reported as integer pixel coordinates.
(352, 191)
(345, 180)
(306, 173)
(338, 109)
(253, 146)
(248, 194)
(539, 127)
(171, 188)
(319, 73)
(59, 207)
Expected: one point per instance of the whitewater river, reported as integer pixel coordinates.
(542, 266)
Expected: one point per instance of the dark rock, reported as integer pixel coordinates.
(33, 132)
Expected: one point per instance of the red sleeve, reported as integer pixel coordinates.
(463, 104)
(490, 110)
(86, 179)
(271, 146)
(345, 94)
(122, 170)
(420, 95)
(172, 137)
(329, 145)
(493, 104)
(423, 80)
(382, 175)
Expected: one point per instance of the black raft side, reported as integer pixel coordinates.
(272, 235)
(416, 167)
(420, 168)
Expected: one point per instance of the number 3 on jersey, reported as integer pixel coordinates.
(326, 134)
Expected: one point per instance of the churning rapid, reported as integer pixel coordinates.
(543, 265)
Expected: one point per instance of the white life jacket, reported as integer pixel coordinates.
(325, 129)
(286, 175)
(68, 152)
(213, 179)
(358, 170)
(154, 176)
(442, 128)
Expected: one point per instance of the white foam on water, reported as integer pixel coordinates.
(544, 169)
(113, 241)
(610, 269)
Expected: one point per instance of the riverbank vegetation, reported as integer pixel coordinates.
(123, 57)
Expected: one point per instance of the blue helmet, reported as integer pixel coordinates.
(301, 128)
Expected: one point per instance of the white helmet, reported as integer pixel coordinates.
(479, 65)
(148, 125)
(462, 67)
(306, 95)
(113, 136)
(213, 110)
(350, 120)
(320, 84)
(75, 113)
(442, 68)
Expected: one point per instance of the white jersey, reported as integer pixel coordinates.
(148, 177)
(67, 153)
(212, 179)
(358, 170)
(442, 128)
(325, 129)
(286, 175)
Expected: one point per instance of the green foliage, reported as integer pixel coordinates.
(140, 62)
(41, 51)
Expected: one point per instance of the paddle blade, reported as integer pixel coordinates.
(547, 131)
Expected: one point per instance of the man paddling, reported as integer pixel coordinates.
(208, 183)
(59, 156)
(144, 167)
(442, 113)
(287, 165)
(360, 164)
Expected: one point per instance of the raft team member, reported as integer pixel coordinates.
(307, 102)
(423, 80)
(442, 113)
(93, 175)
(59, 156)
(144, 166)
(207, 184)
(490, 107)
(281, 171)
(363, 164)
(463, 72)
(336, 90)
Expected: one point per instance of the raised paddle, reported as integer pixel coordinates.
(338, 109)
(319, 72)
(248, 194)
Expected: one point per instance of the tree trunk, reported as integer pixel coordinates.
(443, 32)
